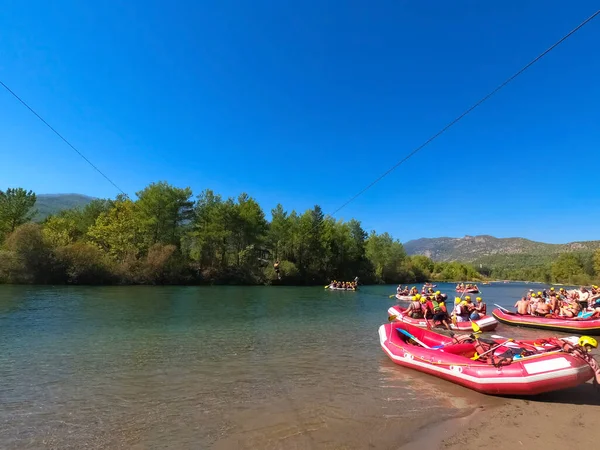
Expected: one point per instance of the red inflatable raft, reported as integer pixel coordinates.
(468, 291)
(485, 323)
(566, 325)
(494, 373)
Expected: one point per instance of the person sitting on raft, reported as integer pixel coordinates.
(415, 308)
(523, 306)
(570, 309)
(479, 310)
(413, 291)
(542, 308)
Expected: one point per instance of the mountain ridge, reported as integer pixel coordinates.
(48, 204)
(470, 248)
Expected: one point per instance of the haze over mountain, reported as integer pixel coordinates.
(47, 204)
(471, 248)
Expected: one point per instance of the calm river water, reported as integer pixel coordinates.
(212, 367)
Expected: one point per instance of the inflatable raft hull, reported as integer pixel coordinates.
(486, 323)
(579, 326)
(404, 298)
(340, 289)
(529, 376)
(468, 291)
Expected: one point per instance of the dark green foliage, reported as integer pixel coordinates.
(164, 237)
(16, 208)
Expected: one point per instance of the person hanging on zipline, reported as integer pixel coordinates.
(276, 267)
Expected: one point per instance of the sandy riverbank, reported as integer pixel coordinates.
(558, 420)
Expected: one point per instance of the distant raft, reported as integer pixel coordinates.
(332, 288)
(472, 290)
(554, 323)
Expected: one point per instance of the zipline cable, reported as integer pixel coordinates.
(62, 137)
(460, 117)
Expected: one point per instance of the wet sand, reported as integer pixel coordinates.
(557, 420)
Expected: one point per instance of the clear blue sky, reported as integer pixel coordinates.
(307, 102)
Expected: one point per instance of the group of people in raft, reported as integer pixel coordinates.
(403, 290)
(462, 286)
(433, 307)
(584, 303)
(349, 285)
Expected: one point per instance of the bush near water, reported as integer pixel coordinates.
(167, 236)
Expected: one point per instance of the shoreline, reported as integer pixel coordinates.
(555, 420)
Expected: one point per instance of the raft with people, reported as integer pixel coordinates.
(499, 366)
(485, 323)
(471, 290)
(342, 286)
(581, 325)
(404, 298)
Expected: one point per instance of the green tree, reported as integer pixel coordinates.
(32, 257)
(597, 263)
(60, 231)
(163, 208)
(121, 231)
(566, 267)
(16, 208)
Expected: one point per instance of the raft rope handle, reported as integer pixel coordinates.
(471, 365)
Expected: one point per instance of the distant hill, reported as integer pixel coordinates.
(471, 248)
(48, 204)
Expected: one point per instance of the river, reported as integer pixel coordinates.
(213, 367)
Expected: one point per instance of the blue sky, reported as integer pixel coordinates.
(307, 102)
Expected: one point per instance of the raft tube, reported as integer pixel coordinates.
(404, 298)
(566, 325)
(532, 375)
(468, 291)
(340, 289)
(485, 323)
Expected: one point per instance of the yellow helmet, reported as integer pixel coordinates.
(539, 292)
(457, 300)
(533, 295)
(440, 304)
(551, 288)
(418, 296)
(423, 300)
(562, 289)
(588, 340)
(437, 292)
(478, 299)
(467, 297)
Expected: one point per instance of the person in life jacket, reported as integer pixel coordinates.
(461, 310)
(480, 309)
(436, 310)
(415, 308)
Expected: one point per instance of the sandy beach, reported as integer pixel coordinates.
(557, 420)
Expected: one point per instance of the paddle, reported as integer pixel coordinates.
(476, 357)
(407, 334)
(502, 308)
